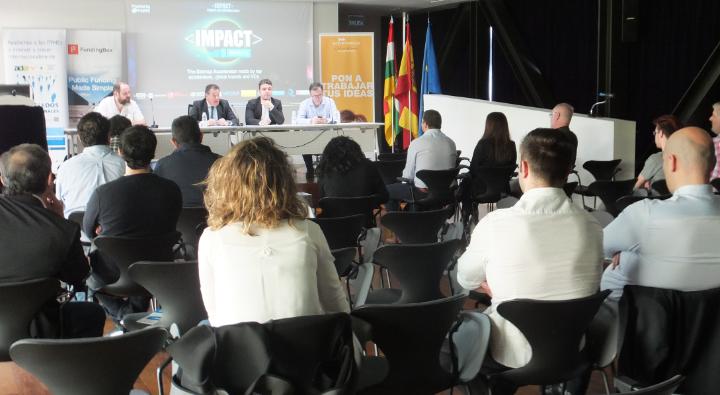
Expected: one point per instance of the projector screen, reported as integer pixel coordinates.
(176, 48)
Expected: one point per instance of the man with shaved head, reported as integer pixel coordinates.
(560, 118)
(670, 243)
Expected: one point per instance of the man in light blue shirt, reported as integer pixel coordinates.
(670, 244)
(78, 177)
(431, 151)
(318, 109)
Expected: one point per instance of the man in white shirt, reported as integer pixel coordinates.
(670, 243)
(121, 103)
(318, 109)
(544, 247)
(431, 151)
(78, 177)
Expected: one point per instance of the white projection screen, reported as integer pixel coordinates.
(176, 48)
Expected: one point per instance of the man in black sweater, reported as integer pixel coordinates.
(138, 205)
(188, 165)
(37, 242)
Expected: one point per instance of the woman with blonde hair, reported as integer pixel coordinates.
(259, 259)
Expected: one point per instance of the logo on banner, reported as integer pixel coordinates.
(224, 41)
(73, 49)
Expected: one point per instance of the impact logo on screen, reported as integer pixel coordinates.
(224, 41)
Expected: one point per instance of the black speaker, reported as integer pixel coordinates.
(630, 26)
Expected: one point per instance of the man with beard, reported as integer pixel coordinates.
(121, 103)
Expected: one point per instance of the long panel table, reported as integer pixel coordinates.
(293, 139)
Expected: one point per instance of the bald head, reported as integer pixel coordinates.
(25, 168)
(688, 158)
(561, 115)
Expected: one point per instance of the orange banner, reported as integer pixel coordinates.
(347, 72)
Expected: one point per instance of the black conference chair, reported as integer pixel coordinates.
(20, 302)
(441, 186)
(176, 286)
(390, 170)
(569, 188)
(418, 269)
(610, 191)
(489, 185)
(89, 366)
(601, 170)
(343, 235)
(416, 227)
(346, 206)
(411, 337)
(660, 187)
(191, 223)
(388, 156)
(666, 387)
(602, 341)
(554, 330)
(307, 355)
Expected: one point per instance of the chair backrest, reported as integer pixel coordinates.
(390, 170)
(440, 188)
(99, 365)
(414, 227)
(176, 285)
(19, 304)
(569, 188)
(309, 352)
(418, 268)
(77, 217)
(610, 191)
(347, 206)
(667, 387)
(624, 201)
(124, 251)
(410, 337)
(387, 156)
(603, 335)
(490, 182)
(344, 260)
(471, 340)
(191, 223)
(554, 330)
(602, 170)
(341, 232)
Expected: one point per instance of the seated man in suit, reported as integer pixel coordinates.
(188, 165)
(37, 242)
(217, 110)
(670, 243)
(265, 110)
(140, 204)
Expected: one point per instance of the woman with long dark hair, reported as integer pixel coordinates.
(495, 147)
(344, 171)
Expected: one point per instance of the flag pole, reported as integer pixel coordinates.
(392, 100)
(411, 75)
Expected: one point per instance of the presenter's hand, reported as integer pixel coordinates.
(222, 122)
(319, 121)
(212, 122)
(266, 103)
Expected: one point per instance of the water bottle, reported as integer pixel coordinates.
(204, 120)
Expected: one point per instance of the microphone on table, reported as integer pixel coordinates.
(605, 96)
(152, 109)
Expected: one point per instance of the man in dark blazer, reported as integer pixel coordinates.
(189, 164)
(217, 110)
(265, 110)
(37, 242)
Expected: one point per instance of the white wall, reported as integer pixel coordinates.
(110, 15)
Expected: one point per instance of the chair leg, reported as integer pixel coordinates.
(605, 381)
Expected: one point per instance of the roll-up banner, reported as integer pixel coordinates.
(38, 58)
(347, 72)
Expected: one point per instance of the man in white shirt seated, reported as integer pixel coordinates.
(78, 177)
(544, 247)
(318, 109)
(433, 150)
(121, 103)
(670, 243)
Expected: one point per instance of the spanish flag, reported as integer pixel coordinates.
(390, 108)
(406, 92)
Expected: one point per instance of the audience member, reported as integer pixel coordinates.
(140, 204)
(344, 171)
(347, 116)
(118, 124)
(560, 118)
(715, 128)
(652, 171)
(121, 103)
(37, 242)
(265, 110)
(670, 243)
(78, 177)
(188, 165)
(318, 108)
(431, 151)
(217, 111)
(544, 247)
(259, 259)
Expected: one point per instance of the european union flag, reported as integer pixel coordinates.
(430, 82)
